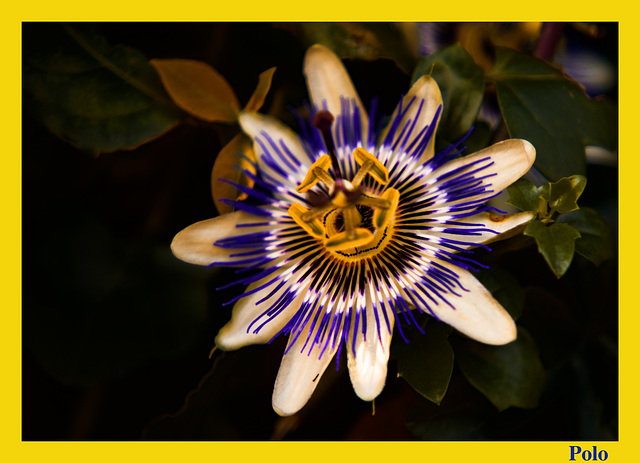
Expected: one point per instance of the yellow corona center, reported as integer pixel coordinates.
(352, 225)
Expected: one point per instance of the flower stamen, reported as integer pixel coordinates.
(343, 198)
(369, 164)
(319, 172)
(383, 215)
(312, 226)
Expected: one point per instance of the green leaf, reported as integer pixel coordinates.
(523, 194)
(505, 288)
(596, 238)
(510, 375)
(426, 362)
(464, 415)
(480, 138)
(461, 82)
(564, 194)
(97, 97)
(366, 41)
(556, 243)
(541, 105)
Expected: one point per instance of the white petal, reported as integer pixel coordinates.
(505, 225)
(328, 81)
(299, 375)
(601, 156)
(195, 245)
(253, 124)
(511, 159)
(368, 368)
(477, 314)
(234, 334)
(425, 89)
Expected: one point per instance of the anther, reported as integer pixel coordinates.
(317, 173)
(371, 165)
(382, 215)
(312, 226)
(323, 121)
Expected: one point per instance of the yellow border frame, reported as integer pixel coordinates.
(330, 10)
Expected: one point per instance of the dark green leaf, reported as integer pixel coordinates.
(97, 97)
(523, 194)
(556, 243)
(596, 239)
(426, 362)
(462, 415)
(505, 288)
(480, 138)
(564, 194)
(510, 375)
(539, 104)
(367, 41)
(461, 82)
(465, 415)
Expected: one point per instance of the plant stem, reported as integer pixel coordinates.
(548, 40)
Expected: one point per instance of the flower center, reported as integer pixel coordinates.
(342, 219)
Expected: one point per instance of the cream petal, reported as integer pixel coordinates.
(235, 334)
(511, 159)
(368, 367)
(506, 226)
(477, 314)
(328, 82)
(195, 245)
(299, 374)
(254, 124)
(425, 88)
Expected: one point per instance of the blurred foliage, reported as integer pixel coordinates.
(198, 89)
(510, 375)
(117, 332)
(367, 41)
(542, 105)
(96, 96)
(461, 82)
(238, 156)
